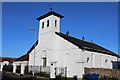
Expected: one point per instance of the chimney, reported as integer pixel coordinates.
(67, 33)
(83, 38)
(91, 41)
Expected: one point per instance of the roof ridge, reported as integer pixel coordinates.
(79, 39)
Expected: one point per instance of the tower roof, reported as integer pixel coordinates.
(50, 13)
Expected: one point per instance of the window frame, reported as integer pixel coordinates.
(42, 25)
(48, 22)
(55, 23)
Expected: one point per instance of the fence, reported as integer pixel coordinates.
(39, 69)
(59, 71)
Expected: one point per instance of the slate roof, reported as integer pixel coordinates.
(84, 45)
(50, 13)
(23, 58)
(26, 56)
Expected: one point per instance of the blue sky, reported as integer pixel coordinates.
(97, 21)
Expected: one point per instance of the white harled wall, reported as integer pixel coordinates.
(62, 53)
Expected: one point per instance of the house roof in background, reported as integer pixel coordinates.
(84, 45)
(6, 59)
(23, 58)
(50, 13)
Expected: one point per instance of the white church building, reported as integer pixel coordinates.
(57, 50)
(61, 54)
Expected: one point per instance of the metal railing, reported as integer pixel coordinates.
(59, 71)
(39, 69)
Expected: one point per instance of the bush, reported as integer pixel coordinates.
(42, 74)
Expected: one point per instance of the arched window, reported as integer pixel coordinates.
(47, 23)
(42, 25)
(55, 23)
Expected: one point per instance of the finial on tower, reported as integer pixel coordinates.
(50, 7)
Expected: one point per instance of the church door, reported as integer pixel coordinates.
(44, 61)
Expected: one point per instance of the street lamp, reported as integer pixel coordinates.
(34, 49)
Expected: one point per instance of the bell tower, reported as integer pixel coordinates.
(49, 22)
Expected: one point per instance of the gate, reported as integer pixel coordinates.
(61, 71)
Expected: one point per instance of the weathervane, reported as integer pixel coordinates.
(50, 7)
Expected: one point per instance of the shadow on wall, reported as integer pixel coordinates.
(116, 64)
